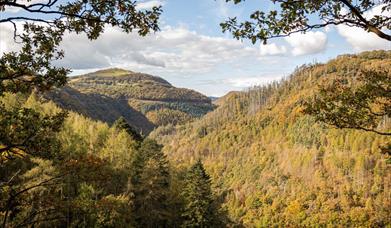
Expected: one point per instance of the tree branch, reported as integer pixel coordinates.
(368, 25)
(12, 197)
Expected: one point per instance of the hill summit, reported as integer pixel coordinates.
(131, 85)
(145, 101)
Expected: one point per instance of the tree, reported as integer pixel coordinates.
(293, 16)
(45, 28)
(87, 199)
(24, 203)
(31, 68)
(340, 104)
(24, 132)
(122, 124)
(149, 185)
(199, 210)
(361, 105)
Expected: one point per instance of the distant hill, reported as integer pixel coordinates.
(144, 100)
(213, 98)
(221, 100)
(122, 84)
(273, 166)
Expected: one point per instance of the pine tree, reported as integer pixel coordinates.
(122, 124)
(149, 185)
(199, 210)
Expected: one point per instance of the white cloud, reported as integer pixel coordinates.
(5, 34)
(7, 42)
(308, 43)
(149, 4)
(246, 82)
(272, 49)
(174, 49)
(362, 40)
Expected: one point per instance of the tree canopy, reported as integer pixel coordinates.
(361, 105)
(199, 210)
(32, 67)
(29, 137)
(44, 28)
(25, 132)
(292, 16)
(122, 124)
(341, 104)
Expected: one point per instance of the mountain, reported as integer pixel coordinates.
(122, 84)
(145, 101)
(272, 165)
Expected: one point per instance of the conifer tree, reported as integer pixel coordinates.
(149, 185)
(199, 210)
(122, 124)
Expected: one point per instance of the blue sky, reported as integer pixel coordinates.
(191, 51)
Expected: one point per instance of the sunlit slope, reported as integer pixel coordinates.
(274, 165)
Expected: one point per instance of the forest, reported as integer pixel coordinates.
(265, 163)
(276, 165)
(86, 173)
(120, 148)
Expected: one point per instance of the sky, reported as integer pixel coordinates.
(191, 51)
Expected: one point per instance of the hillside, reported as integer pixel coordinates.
(123, 84)
(274, 166)
(100, 107)
(144, 100)
(266, 163)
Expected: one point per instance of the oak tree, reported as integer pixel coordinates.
(361, 105)
(294, 16)
(44, 27)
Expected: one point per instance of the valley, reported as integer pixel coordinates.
(195, 114)
(270, 164)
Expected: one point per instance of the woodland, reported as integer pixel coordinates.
(310, 150)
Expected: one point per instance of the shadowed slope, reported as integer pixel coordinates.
(99, 107)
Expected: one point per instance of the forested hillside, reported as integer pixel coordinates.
(84, 173)
(266, 163)
(143, 100)
(274, 166)
(116, 148)
(100, 107)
